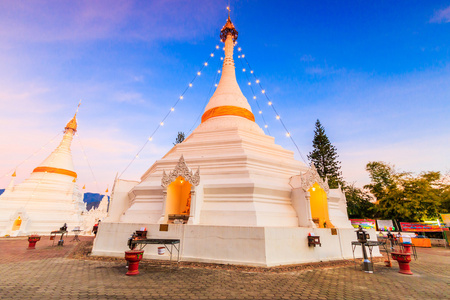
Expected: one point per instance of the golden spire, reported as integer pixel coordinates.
(73, 123)
(14, 174)
(227, 29)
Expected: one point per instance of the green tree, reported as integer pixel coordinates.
(382, 177)
(180, 138)
(402, 196)
(324, 156)
(359, 203)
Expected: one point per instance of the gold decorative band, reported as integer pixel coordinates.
(55, 170)
(228, 110)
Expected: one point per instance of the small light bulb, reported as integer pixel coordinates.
(216, 84)
(260, 112)
(172, 109)
(249, 83)
(181, 97)
(257, 80)
(162, 123)
(218, 71)
(206, 63)
(270, 103)
(278, 117)
(239, 49)
(198, 73)
(137, 156)
(265, 126)
(239, 56)
(221, 58)
(150, 138)
(190, 84)
(263, 91)
(243, 70)
(254, 97)
(288, 134)
(212, 54)
(217, 47)
(243, 55)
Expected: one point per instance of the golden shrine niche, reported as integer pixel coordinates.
(16, 224)
(179, 193)
(318, 190)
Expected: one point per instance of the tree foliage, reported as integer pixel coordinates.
(324, 156)
(180, 138)
(405, 197)
(359, 203)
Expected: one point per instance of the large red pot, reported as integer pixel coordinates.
(32, 240)
(133, 258)
(407, 248)
(403, 260)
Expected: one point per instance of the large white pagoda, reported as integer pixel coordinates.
(48, 198)
(229, 193)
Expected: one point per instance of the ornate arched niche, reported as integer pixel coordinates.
(317, 193)
(179, 194)
(18, 222)
(310, 177)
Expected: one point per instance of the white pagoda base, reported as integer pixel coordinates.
(237, 245)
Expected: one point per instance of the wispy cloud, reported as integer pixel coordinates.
(50, 21)
(441, 16)
(129, 97)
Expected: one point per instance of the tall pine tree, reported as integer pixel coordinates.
(324, 156)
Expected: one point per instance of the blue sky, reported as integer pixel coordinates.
(376, 74)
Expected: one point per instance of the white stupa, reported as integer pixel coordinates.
(48, 198)
(229, 193)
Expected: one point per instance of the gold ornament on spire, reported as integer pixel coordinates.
(227, 29)
(14, 174)
(72, 124)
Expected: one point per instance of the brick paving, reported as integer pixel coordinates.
(49, 273)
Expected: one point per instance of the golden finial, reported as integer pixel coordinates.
(73, 123)
(84, 187)
(106, 190)
(228, 28)
(14, 174)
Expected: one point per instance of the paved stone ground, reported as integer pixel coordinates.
(49, 273)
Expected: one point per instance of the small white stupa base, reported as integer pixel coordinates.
(252, 246)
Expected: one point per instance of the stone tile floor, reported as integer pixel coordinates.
(49, 273)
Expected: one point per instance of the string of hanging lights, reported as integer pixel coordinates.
(172, 109)
(87, 161)
(32, 155)
(208, 96)
(260, 112)
(270, 103)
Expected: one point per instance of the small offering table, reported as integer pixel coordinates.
(53, 235)
(174, 243)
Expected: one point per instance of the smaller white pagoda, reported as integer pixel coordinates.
(48, 198)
